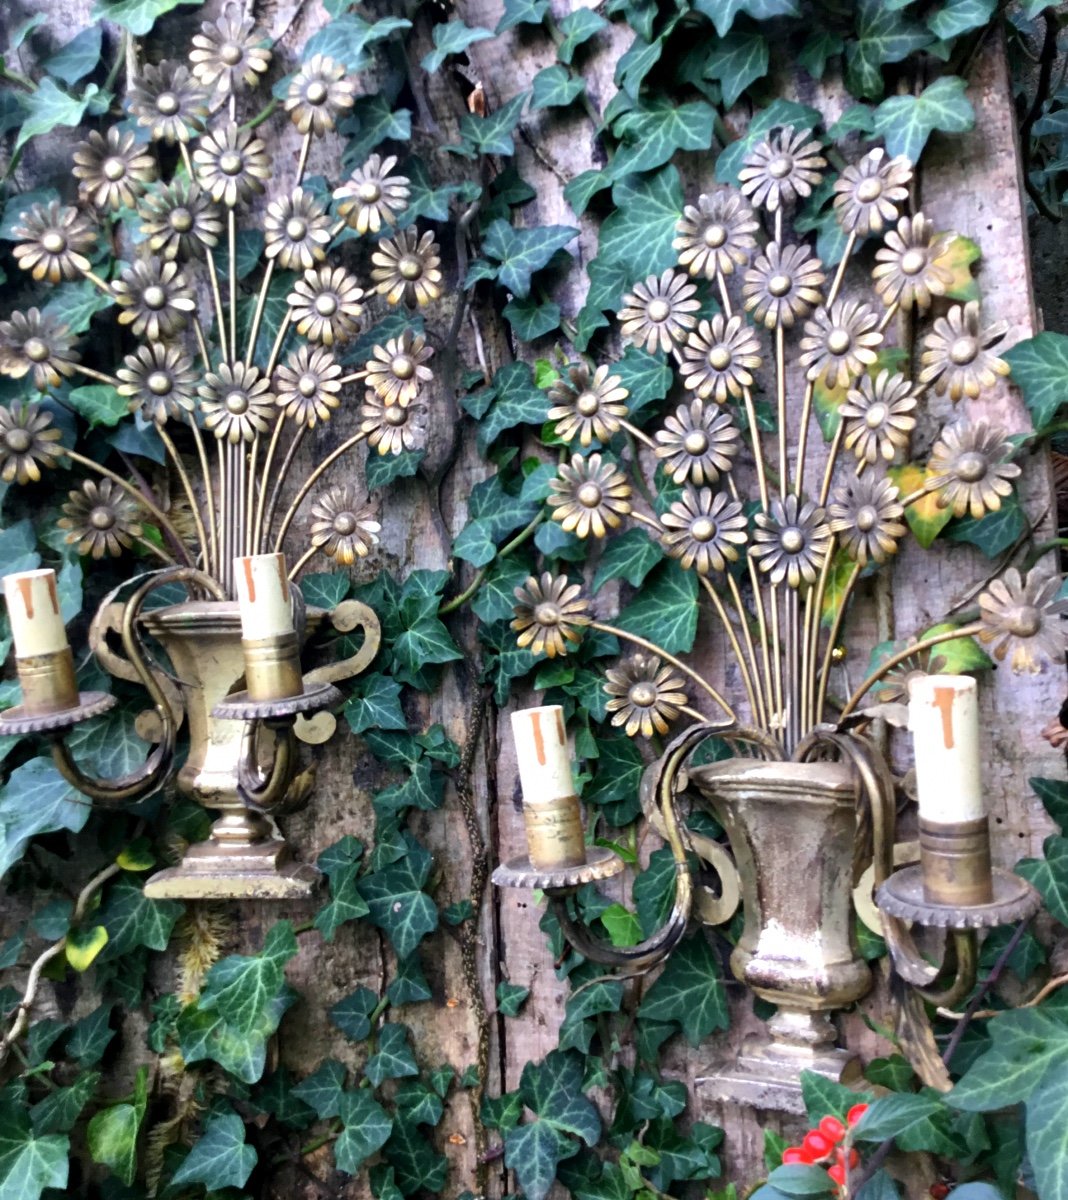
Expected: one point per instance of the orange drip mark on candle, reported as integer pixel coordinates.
(943, 701)
(26, 588)
(53, 595)
(539, 740)
(560, 725)
(283, 578)
(250, 581)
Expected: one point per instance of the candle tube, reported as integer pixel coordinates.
(43, 657)
(269, 641)
(550, 805)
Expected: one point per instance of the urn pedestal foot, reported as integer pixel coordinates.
(214, 870)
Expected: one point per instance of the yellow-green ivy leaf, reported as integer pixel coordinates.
(83, 945)
(925, 517)
(958, 258)
(835, 593)
(956, 656)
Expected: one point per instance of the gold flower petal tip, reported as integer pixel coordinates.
(397, 371)
(588, 405)
(907, 270)
(169, 102)
(54, 242)
(868, 194)
(160, 380)
(878, 416)
(646, 696)
(326, 305)
(296, 230)
(782, 169)
(343, 526)
(36, 344)
(791, 541)
(957, 357)
(839, 343)
(28, 442)
(717, 235)
(549, 614)
(236, 402)
(658, 313)
(231, 164)
(101, 519)
(698, 443)
(392, 428)
(308, 386)
(318, 94)
(719, 357)
(589, 496)
(373, 197)
(180, 221)
(226, 55)
(704, 530)
(971, 464)
(113, 169)
(866, 514)
(1022, 620)
(783, 285)
(407, 267)
(154, 298)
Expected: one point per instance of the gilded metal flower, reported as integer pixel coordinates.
(717, 235)
(956, 356)
(373, 195)
(659, 312)
(225, 55)
(549, 613)
(783, 285)
(719, 357)
(791, 541)
(782, 169)
(907, 269)
(308, 386)
(397, 370)
(154, 297)
(168, 102)
(589, 496)
(101, 518)
(1023, 618)
(646, 696)
(407, 267)
(704, 529)
(160, 380)
(840, 342)
(179, 220)
(236, 402)
(589, 406)
(343, 527)
(231, 164)
(973, 468)
(318, 94)
(391, 428)
(698, 443)
(895, 687)
(866, 515)
(878, 416)
(114, 169)
(34, 343)
(868, 194)
(327, 304)
(28, 442)
(54, 242)
(296, 231)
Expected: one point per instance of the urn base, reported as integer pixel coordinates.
(212, 870)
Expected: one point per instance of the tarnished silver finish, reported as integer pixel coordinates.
(902, 896)
(601, 863)
(239, 707)
(16, 722)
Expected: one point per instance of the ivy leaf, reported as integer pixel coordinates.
(206, 1035)
(383, 469)
(28, 1163)
(960, 254)
(99, 404)
(522, 12)
(493, 134)
(83, 946)
(960, 16)
(581, 190)
(895, 1116)
(654, 132)
(825, 1097)
(91, 1036)
(521, 252)
(883, 36)
(624, 928)
(631, 556)
(906, 122)
(531, 319)
(36, 799)
(510, 998)
(376, 121)
(780, 112)
(76, 58)
(398, 905)
(925, 517)
(417, 1165)
(737, 61)
(346, 903)
(821, 45)
(367, 1129)
(220, 1157)
(647, 377)
(555, 87)
(578, 27)
(112, 1133)
(1040, 370)
(722, 13)
(452, 37)
(240, 987)
(615, 784)
(138, 16)
(393, 1058)
(690, 992)
(109, 745)
(1050, 876)
(958, 655)
(665, 611)
(132, 919)
(325, 590)
(322, 1090)
(640, 232)
(352, 1015)
(517, 400)
(59, 1111)
(75, 304)
(375, 703)
(994, 532)
(347, 37)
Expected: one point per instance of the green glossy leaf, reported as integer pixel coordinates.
(36, 799)
(49, 107)
(112, 1133)
(59, 1111)
(825, 1097)
(91, 1036)
(393, 1057)
(883, 36)
(347, 37)
(452, 37)
(736, 62)
(98, 403)
(994, 532)
(510, 998)
(522, 12)
(375, 121)
(615, 783)
(517, 401)
(325, 590)
(896, 1116)
(690, 992)
(375, 703)
(639, 233)
(906, 122)
(555, 87)
(220, 1157)
(76, 58)
(398, 905)
(206, 1035)
(83, 945)
(28, 1163)
(352, 1015)
(1040, 370)
(577, 28)
(417, 1165)
(631, 556)
(665, 610)
(322, 1090)
(383, 469)
(109, 745)
(493, 134)
(241, 987)
(1050, 876)
(520, 252)
(531, 319)
(367, 1127)
(723, 13)
(779, 112)
(132, 919)
(926, 518)
(960, 16)
(1026, 1046)
(138, 16)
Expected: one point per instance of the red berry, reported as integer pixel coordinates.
(816, 1145)
(855, 1113)
(837, 1173)
(832, 1128)
(794, 1154)
(939, 1191)
(854, 1157)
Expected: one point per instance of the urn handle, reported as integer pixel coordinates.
(348, 616)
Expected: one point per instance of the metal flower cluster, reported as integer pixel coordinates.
(778, 531)
(212, 360)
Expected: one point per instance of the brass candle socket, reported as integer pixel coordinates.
(555, 837)
(49, 683)
(955, 862)
(272, 667)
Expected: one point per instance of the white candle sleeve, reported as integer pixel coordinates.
(262, 584)
(34, 613)
(542, 755)
(944, 722)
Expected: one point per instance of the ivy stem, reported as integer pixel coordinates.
(480, 575)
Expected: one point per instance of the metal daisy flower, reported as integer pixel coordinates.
(1022, 620)
(698, 443)
(154, 297)
(308, 387)
(783, 285)
(36, 344)
(54, 241)
(396, 371)
(168, 102)
(907, 269)
(318, 94)
(114, 169)
(839, 342)
(160, 380)
(589, 406)
(327, 304)
(225, 55)
(868, 194)
(895, 687)
(28, 442)
(956, 356)
(101, 518)
(704, 529)
(343, 527)
(407, 267)
(719, 357)
(658, 313)
(866, 515)
(231, 164)
(589, 496)
(391, 428)
(179, 220)
(373, 196)
(236, 402)
(549, 613)
(791, 541)
(782, 169)
(646, 696)
(296, 231)
(717, 235)
(972, 466)
(879, 416)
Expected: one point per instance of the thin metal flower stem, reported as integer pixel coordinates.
(257, 316)
(280, 478)
(928, 488)
(839, 275)
(888, 316)
(310, 482)
(231, 238)
(813, 609)
(110, 380)
(780, 404)
(732, 637)
(102, 284)
(635, 432)
(692, 713)
(213, 273)
(303, 561)
(794, 681)
(761, 615)
(836, 627)
(202, 343)
(158, 551)
(209, 495)
(750, 408)
(280, 337)
(226, 553)
(776, 647)
(259, 529)
(832, 458)
(760, 712)
(660, 652)
(302, 161)
(187, 487)
(250, 499)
